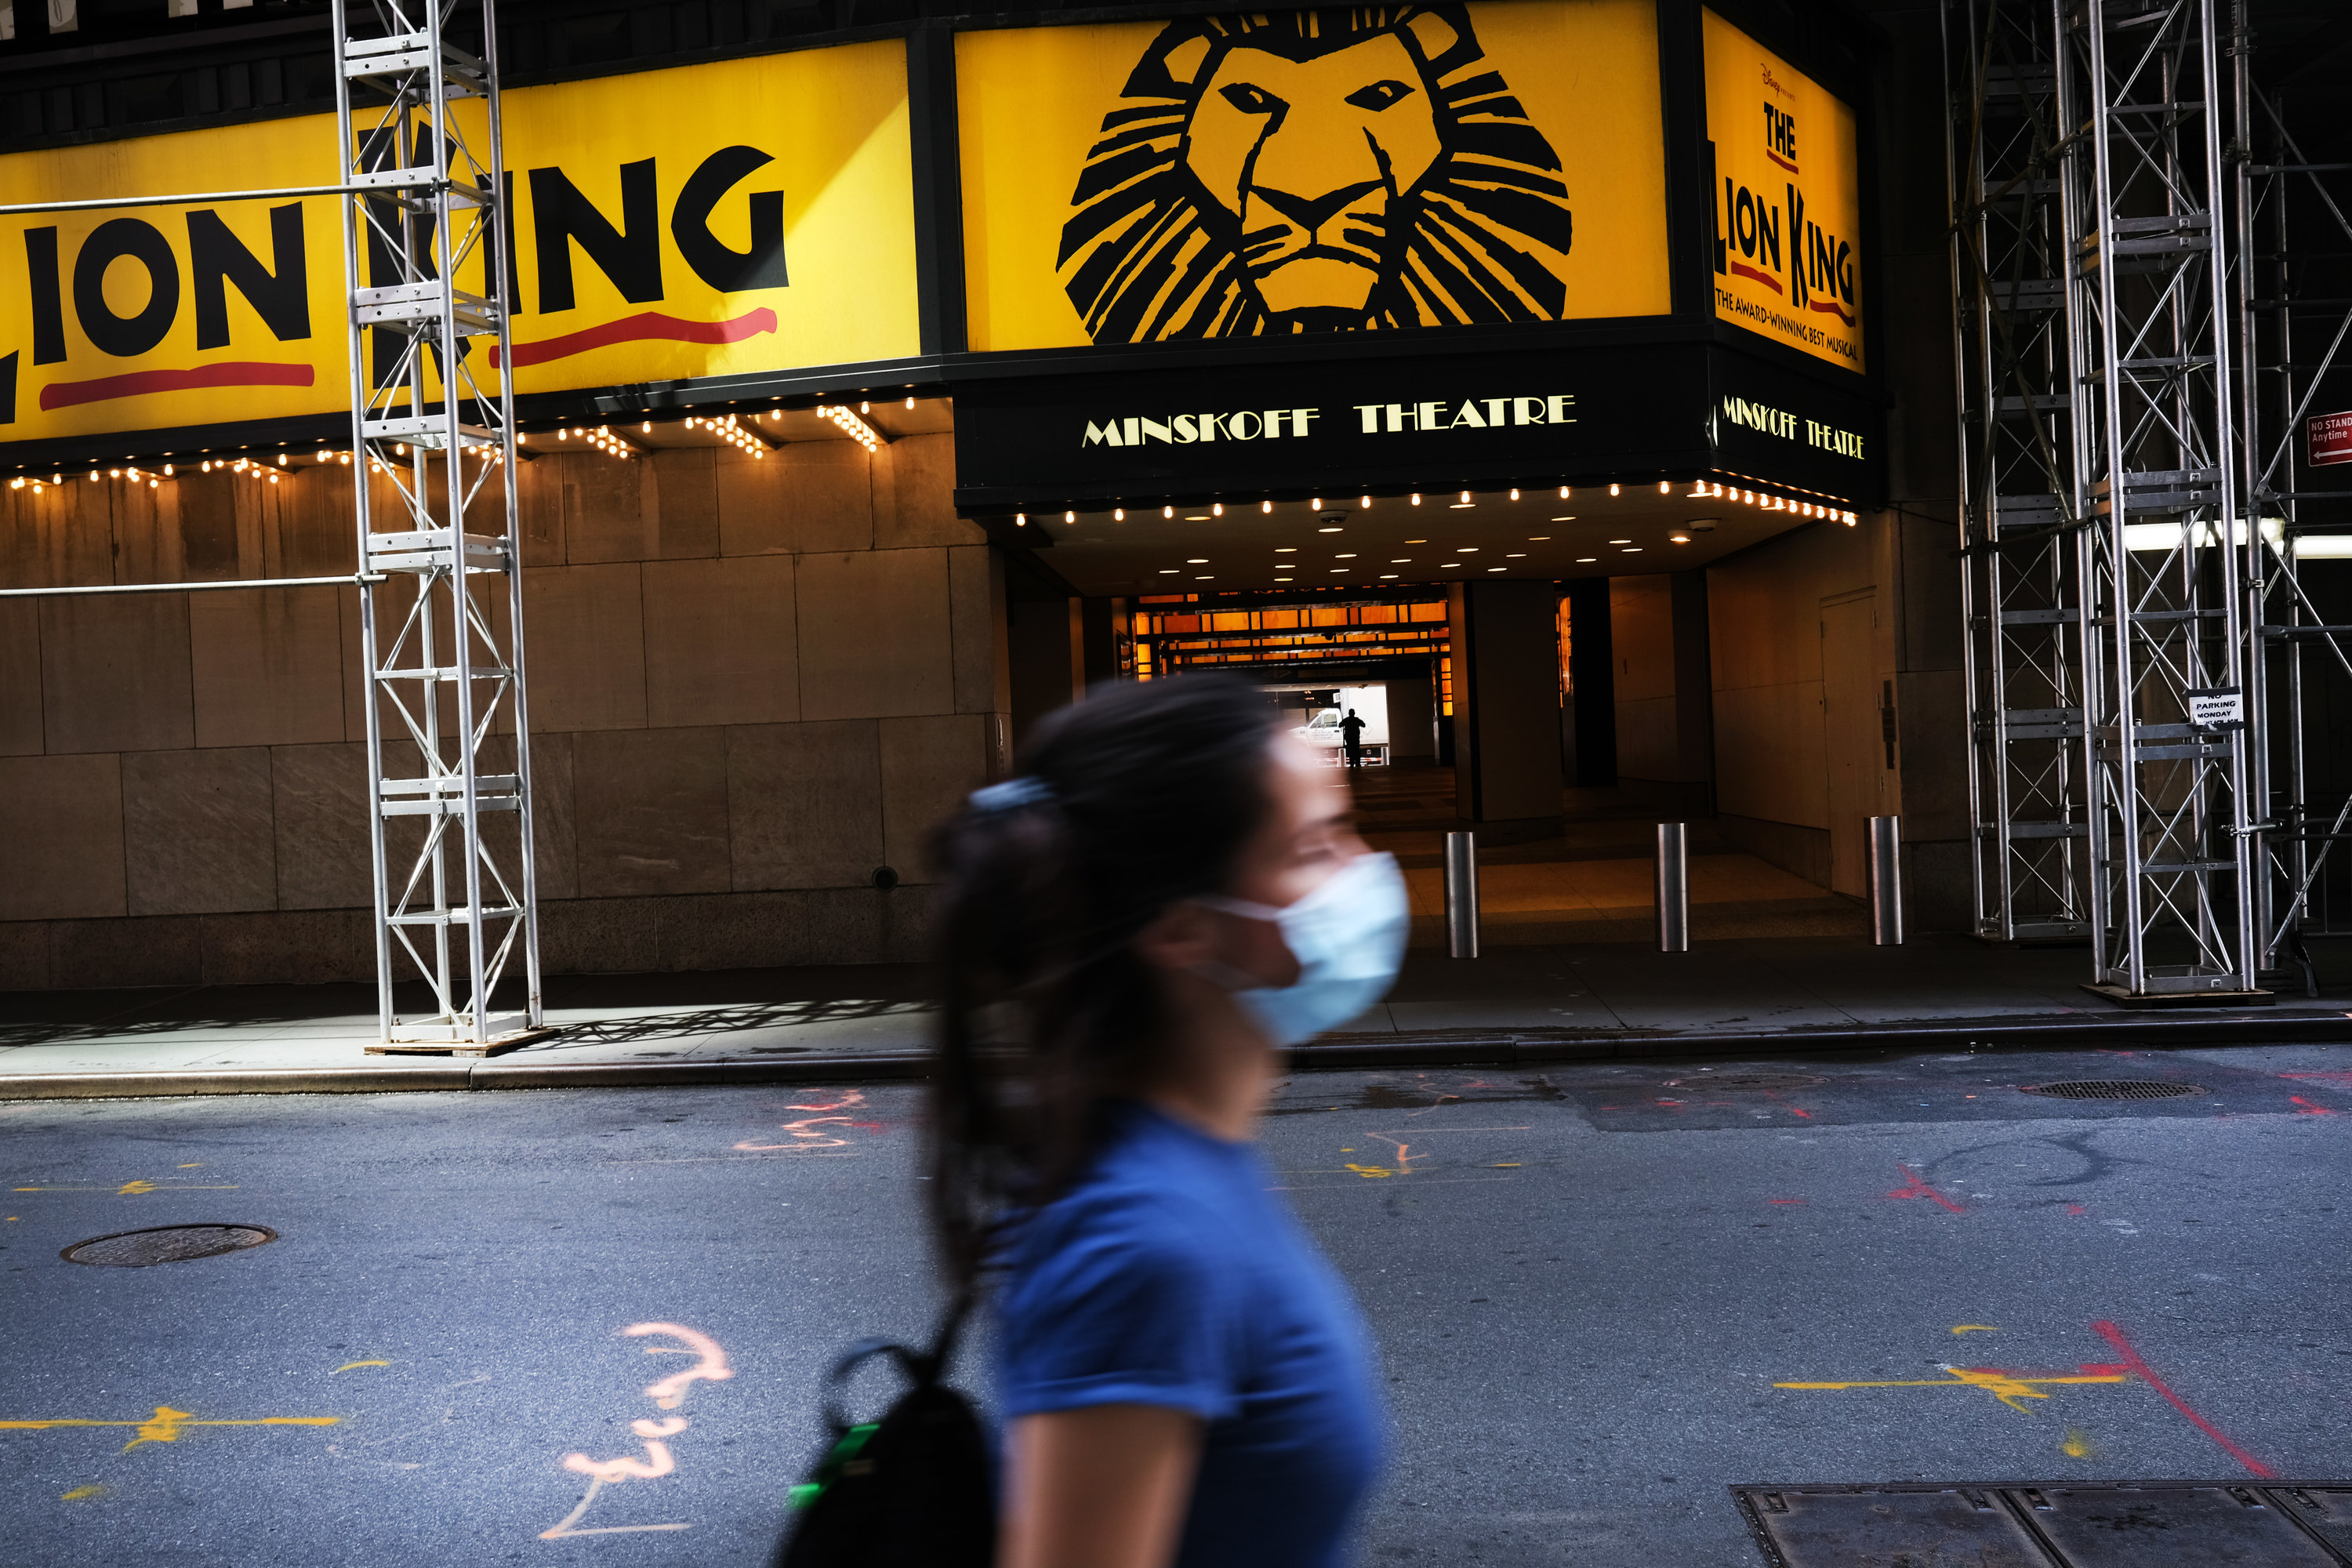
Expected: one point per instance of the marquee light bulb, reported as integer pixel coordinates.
(1416, 498)
(1515, 495)
(1265, 506)
(1563, 492)
(1118, 514)
(1070, 517)
(1664, 486)
(1217, 510)
(1020, 519)
(1465, 496)
(1613, 490)
(1167, 511)
(1316, 504)
(1365, 503)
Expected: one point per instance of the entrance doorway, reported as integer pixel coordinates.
(1849, 724)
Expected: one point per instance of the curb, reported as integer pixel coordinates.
(1516, 1048)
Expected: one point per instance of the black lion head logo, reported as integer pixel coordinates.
(1315, 171)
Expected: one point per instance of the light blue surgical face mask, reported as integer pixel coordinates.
(1348, 937)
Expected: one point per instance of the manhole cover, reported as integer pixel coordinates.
(2112, 1088)
(166, 1243)
(1753, 1082)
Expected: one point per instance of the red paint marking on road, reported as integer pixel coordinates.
(2139, 1368)
(1918, 1188)
(2309, 1109)
(1806, 1114)
(2076, 1208)
(1791, 1200)
(2109, 1050)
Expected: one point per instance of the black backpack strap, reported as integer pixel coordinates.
(922, 1368)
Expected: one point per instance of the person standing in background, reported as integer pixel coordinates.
(1351, 735)
(1168, 893)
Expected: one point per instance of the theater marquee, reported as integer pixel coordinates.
(1787, 199)
(1279, 174)
(671, 226)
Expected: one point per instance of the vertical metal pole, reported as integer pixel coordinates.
(1674, 887)
(1887, 881)
(1461, 895)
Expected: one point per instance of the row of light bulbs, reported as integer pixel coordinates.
(729, 428)
(859, 431)
(1699, 488)
(731, 431)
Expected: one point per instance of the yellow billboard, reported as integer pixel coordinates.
(1788, 202)
(1340, 170)
(710, 220)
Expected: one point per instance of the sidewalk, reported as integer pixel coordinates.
(1518, 1005)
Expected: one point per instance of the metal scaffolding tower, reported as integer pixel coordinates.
(433, 442)
(2023, 593)
(2131, 395)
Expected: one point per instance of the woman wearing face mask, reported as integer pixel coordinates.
(1168, 893)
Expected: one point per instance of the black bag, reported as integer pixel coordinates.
(915, 1489)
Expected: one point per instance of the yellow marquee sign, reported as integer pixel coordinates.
(1787, 205)
(706, 221)
(1267, 174)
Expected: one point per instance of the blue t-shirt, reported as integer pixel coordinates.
(1171, 1275)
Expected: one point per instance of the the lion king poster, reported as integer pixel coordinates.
(1349, 169)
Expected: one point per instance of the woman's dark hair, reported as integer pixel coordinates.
(1136, 798)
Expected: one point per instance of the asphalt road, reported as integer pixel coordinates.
(1590, 1288)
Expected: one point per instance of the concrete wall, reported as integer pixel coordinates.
(752, 683)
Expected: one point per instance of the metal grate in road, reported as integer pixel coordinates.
(166, 1243)
(2123, 1524)
(2113, 1088)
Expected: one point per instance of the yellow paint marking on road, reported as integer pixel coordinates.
(133, 1188)
(1508, 1165)
(1371, 1172)
(349, 1365)
(166, 1423)
(80, 1493)
(1974, 1329)
(139, 1189)
(193, 1166)
(2077, 1445)
(2006, 1387)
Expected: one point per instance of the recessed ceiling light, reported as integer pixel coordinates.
(1196, 517)
(1447, 565)
(1570, 517)
(1621, 541)
(1498, 569)
(1461, 506)
(1399, 560)
(1331, 531)
(1537, 538)
(1171, 571)
(1285, 550)
(1345, 555)
(1210, 579)
(1416, 542)
(1196, 561)
(1338, 568)
(1586, 560)
(1635, 550)
(1516, 556)
(1466, 549)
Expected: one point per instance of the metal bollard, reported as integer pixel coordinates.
(1887, 881)
(1673, 889)
(1461, 895)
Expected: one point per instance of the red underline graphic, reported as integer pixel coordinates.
(1783, 161)
(650, 324)
(1828, 308)
(139, 383)
(2139, 1369)
(1764, 278)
